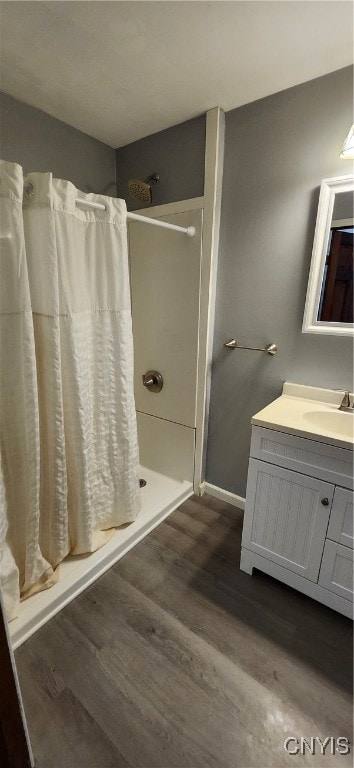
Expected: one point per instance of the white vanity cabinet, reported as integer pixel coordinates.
(341, 521)
(298, 524)
(336, 572)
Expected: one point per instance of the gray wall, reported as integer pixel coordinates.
(39, 142)
(277, 151)
(343, 206)
(176, 154)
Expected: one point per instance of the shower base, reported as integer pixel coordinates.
(161, 496)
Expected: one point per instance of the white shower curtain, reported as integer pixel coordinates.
(68, 439)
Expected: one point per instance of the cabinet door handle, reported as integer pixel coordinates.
(325, 502)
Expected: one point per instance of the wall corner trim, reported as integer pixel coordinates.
(223, 495)
(214, 166)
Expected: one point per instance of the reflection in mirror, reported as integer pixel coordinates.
(336, 300)
(329, 301)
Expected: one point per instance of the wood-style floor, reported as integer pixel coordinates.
(176, 658)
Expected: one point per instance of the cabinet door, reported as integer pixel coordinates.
(286, 517)
(340, 527)
(337, 569)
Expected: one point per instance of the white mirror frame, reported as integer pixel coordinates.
(329, 188)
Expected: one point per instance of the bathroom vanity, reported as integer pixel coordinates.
(298, 524)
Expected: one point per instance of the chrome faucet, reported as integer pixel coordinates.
(346, 405)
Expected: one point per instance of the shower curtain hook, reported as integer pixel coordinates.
(29, 189)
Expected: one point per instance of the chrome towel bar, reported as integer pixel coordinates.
(270, 349)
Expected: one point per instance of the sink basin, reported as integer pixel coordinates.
(336, 422)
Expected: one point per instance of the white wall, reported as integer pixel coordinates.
(165, 286)
(166, 447)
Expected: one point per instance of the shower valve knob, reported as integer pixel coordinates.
(153, 381)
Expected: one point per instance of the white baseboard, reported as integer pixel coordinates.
(222, 495)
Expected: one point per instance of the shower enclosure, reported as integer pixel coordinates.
(172, 278)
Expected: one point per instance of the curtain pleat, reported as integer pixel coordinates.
(68, 438)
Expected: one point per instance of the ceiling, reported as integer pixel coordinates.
(123, 70)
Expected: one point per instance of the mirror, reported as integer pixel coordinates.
(329, 301)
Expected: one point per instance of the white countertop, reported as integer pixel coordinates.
(310, 412)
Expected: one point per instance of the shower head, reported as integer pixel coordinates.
(141, 190)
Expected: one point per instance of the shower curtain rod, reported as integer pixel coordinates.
(189, 231)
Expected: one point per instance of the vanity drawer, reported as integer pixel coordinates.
(336, 572)
(325, 462)
(340, 528)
